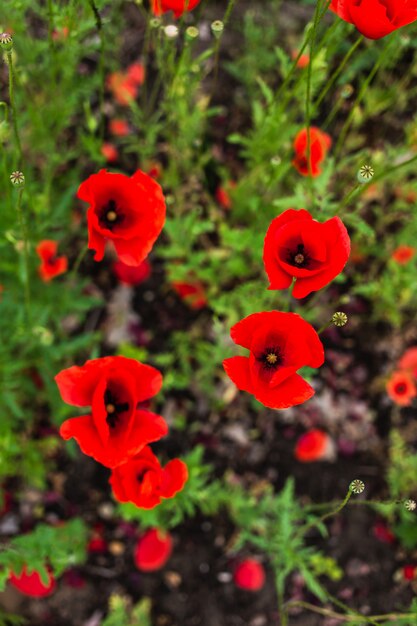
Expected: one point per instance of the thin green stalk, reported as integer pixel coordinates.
(99, 26)
(345, 129)
(225, 21)
(25, 238)
(348, 617)
(316, 20)
(304, 529)
(13, 108)
(78, 261)
(338, 71)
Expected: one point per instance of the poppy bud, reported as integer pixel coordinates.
(217, 28)
(6, 42)
(192, 32)
(357, 486)
(365, 174)
(17, 179)
(249, 575)
(153, 550)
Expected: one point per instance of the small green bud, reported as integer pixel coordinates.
(275, 161)
(6, 42)
(192, 32)
(339, 318)
(217, 28)
(155, 22)
(17, 179)
(357, 486)
(365, 174)
(410, 505)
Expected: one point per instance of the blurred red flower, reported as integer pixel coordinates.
(303, 61)
(31, 584)
(136, 73)
(401, 389)
(320, 144)
(176, 6)
(249, 575)
(408, 361)
(409, 572)
(403, 254)
(298, 247)
(153, 550)
(376, 18)
(130, 212)
(51, 265)
(110, 152)
(312, 446)
(223, 194)
(279, 344)
(122, 88)
(113, 386)
(119, 127)
(144, 482)
(192, 292)
(131, 275)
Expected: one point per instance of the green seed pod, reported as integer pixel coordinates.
(6, 42)
(357, 486)
(17, 179)
(365, 174)
(217, 28)
(339, 318)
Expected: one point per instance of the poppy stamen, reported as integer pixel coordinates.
(271, 358)
(110, 408)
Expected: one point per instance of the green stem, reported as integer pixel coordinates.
(225, 21)
(99, 27)
(348, 617)
(308, 92)
(345, 129)
(25, 238)
(13, 108)
(338, 71)
(304, 529)
(78, 261)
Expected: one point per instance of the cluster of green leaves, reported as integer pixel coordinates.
(57, 547)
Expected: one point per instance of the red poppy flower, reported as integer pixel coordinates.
(408, 361)
(153, 550)
(132, 275)
(279, 344)
(110, 152)
(192, 292)
(223, 194)
(130, 212)
(113, 386)
(122, 87)
(119, 127)
(249, 575)
(31, 584)
(376, 18)
(320, 143)
(401, 389)
(51, 265)
(144, 482)
(155, 170)
(383, 533)
(176, 6)
(303, 61)
(409, 572)
(136, 73)
(403, 254)
(298, 247)
(312, 446)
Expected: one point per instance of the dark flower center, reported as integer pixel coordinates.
(110, 215)
(113, 408)
(271, 358)
(299, 257)
(400, 388)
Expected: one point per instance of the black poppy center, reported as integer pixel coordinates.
(110, 215)
(400, 388)
(141, 475)
(113, 408)
(299, 257)
(271, 358)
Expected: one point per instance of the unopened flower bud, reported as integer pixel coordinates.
(410, 505)
(339, 318)
(357, 486)
(192, 32)
(171, 31)
(17, 179)
(217, 28)
(6, 42)
(365, 174)
(155, 22)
